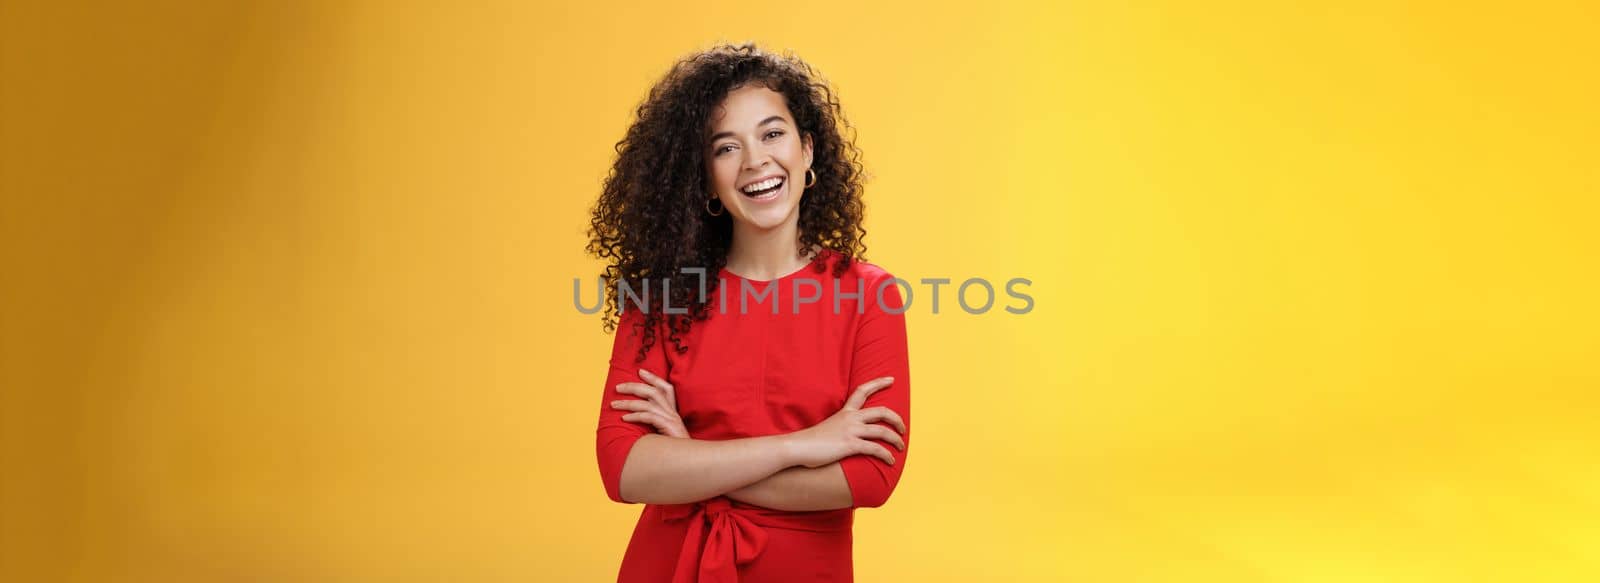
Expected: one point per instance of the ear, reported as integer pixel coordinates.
(805, 143)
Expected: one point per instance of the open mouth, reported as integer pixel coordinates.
(765, 189)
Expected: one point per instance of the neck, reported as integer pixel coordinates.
(765, 254)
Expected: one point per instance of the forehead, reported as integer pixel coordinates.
(747, 106)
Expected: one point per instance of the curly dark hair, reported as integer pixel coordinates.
(651, 220)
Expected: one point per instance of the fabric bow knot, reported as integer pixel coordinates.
(734, 539)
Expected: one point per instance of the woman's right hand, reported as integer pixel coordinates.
(850, 431)
(656, 407)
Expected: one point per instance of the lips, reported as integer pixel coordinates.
(764, 188)
(768, 195)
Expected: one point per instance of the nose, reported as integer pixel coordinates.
(756, 159)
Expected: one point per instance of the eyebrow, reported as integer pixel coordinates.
(774, 118)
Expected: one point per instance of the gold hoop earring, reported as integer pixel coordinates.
(811, 178)
(720, 208)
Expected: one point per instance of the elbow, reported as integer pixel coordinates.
(612, 481)
(869, 490)
(871, 497)
(871, 502)
(871, 482)
(624, 491)
(623, 494)
(612, 454)
(614, 492)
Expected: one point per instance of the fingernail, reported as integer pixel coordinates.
(616, 403)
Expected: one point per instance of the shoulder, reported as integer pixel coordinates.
(857, 268)
(879, 289)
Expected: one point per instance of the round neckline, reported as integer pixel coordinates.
(821, 255)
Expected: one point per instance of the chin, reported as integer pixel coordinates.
(767, 220)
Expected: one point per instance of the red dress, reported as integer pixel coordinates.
(764, 371)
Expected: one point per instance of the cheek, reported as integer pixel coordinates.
(797, 153)
(723, 174)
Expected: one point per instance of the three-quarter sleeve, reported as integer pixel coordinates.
(613, 437)
(880, 350)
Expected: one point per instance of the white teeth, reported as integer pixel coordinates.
(763, 185)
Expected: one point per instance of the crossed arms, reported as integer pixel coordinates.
(854, 458)
(799, 471)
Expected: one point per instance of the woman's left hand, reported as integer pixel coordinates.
(658, 408)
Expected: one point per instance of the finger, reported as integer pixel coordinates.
(670, 392)
(636, 405)
(876, 450)
(647, 391)
(653, 379)
(671, 418)
(655, 393)
(640, 389)
(859, 397)
(883, 433)
(648, 418)
(884, 414)
(665, 425)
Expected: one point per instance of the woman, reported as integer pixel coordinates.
(759, 388)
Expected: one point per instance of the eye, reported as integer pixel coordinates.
(723, 149)
(773, 134)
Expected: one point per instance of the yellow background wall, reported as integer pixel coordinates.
(286, 287)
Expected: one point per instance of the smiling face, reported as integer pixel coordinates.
(757, 158)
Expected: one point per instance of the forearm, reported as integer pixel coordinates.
(669, 470)
(799, 489)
